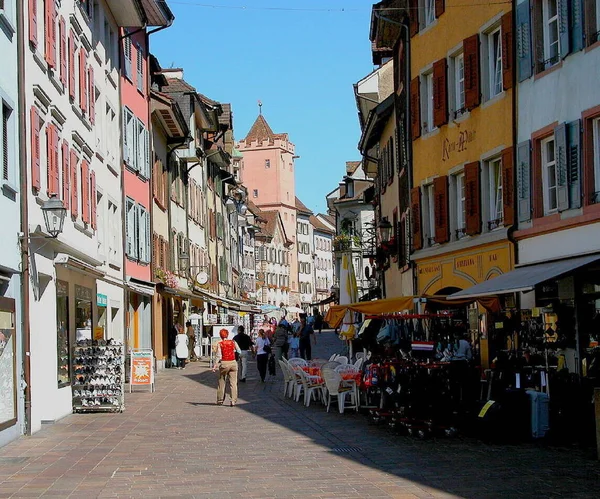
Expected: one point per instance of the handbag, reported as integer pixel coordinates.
(267, 349)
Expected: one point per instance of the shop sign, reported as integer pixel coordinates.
(82, 293)
(458, 145)
(430, 269)
(101, 300)
(211, 318)
(142, 368)
(98, 333)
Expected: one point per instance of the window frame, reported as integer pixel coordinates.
(549, 61)
(7, 145)
(596, 150)
(427, 103)
(495, 202)
(429, 213)
(460, 200)
(545, 165)
(458, 104)
(494, 62)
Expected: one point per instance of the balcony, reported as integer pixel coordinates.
(346, 243)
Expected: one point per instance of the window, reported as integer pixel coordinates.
(427, 102)
(461, 209)
(255, 193)
(551, 35)
(496, 205)
(458, 70)
(267, 163)
(143, 235)
(494, 46)
(140, 68)
(549, 173)
(113, 235)
(6, 146)
(596, 148)
(127, 56)
(428, 12)
(429, 214)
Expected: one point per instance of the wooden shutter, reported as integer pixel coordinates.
(524, 48)
(48, 8)
(33, 26)
(92, 95)
(155, 251)
(440, 7)
(590, 22)
(52, 171)
(62, 30)
(71, 64)
(414, 17)
(472, 198)
(577, 28)
(94, 198)
(66, 175)
(83, 89)
(53, 37)
(507, 51)
(440, 93)
(564, 31)
(440, 192)
(562, 187)
(508, 183)
(85, 191)
(35, 149)
(472, 80)
(74, 185)
(574, 163)
(417, 233)
(524, 181)
(415, 107)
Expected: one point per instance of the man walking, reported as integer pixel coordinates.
(245, 343)
(306, 331)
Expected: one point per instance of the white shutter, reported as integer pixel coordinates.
(125, 137)
(139, 146)
(141, 234)
(147, 152)
(131, 229)
(148, 256)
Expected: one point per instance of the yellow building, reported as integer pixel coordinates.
(461, 110)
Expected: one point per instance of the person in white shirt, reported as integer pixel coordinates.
(262, 348)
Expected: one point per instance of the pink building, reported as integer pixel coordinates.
(268, 172)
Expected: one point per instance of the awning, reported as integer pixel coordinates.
(228, 302)
(525, 278)
(181, 293)
(141, 287)
(77, 265)
(335, 314)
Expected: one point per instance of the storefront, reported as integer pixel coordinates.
(10, 369)
(139, 313)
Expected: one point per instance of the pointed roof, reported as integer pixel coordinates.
(260, 130)
(302, 208)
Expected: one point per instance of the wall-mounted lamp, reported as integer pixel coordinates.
(385, 230)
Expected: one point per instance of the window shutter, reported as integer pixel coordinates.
(473, 198)
(140, 69)
(50, 159)
(155, 251)
(563, 28)
(562, 187)
(508, 182)
(146, 236)
(440, 7)
(83, 89)
(62, 29)
(71, 64)
(577, 28)
(472, 81)
(414, 17)
(574, 163)
(146, 153)
(33, 27)
(415, 107)
(126, 138)
(48, 16)
(524, 207)
(130, 225)
(92, 95)
(55, 160)
(589, 17)
(155, 182)
(440, 190)
(507, 51)
(440, 93)
(524, 49)
(66, 175)
(35, 149)
(127, 55)
(415, 203)
(74, 185)
(94, 198)
(85, 191)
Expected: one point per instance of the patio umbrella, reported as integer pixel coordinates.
(348, 294)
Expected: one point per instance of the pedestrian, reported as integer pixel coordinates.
(280, 340)
(306, 332)
(245, 343)
(224, 351)
(295, 345)
(262, 348)
(181, 347)
(172, 336)
(191, 334)
(296, 325)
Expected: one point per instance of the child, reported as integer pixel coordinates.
(295, 345)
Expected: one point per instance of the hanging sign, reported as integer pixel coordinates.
(142, 369)
(101, 300)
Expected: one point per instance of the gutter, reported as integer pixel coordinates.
(25, 326)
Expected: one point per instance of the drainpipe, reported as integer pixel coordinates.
(25, 326)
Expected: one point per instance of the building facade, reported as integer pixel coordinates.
(323, 259)
(305, 250)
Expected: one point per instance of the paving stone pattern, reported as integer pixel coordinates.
(177, 443)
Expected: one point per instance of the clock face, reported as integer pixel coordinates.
(202, 278)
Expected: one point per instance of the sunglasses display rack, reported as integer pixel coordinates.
(98, 376)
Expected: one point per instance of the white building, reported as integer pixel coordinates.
(73, 120)
(323, 260)
(11, 395)
(305, 248)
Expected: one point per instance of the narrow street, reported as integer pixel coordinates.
(177, 443)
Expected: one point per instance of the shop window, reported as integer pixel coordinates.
(549, 175)
(83, 313)
(427, 103)
(496, 214)
(8, 359)
(63, 343)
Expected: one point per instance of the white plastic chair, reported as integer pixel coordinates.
(289, 379)
(360, 355)
(297, 361)
(342, 359)
(346, 368)
(330, 365)
(338, 389)
(311, 385)
(333, 356)
(359, 362)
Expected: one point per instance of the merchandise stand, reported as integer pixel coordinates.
(99, 376)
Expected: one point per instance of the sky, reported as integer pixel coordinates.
(300, 63)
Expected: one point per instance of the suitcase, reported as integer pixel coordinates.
(540, 413)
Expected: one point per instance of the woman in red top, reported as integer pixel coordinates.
(225, 351)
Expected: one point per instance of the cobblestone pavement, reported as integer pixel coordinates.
(177, 443)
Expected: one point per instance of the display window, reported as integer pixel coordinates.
(8, 347)
(63, 342)
(83, 313)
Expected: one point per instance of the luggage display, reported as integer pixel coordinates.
(540, 413)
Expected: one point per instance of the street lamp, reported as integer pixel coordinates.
(184, 261)
(385, 230)
(54, 212)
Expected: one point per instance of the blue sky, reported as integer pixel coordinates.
(301, 64)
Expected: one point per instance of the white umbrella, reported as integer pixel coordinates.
(348, 294)
(295, 310)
